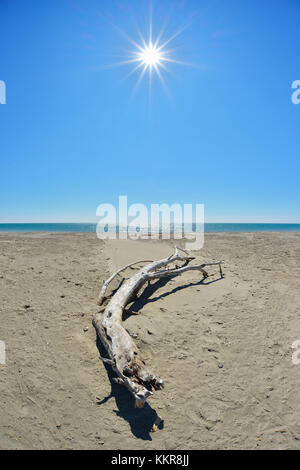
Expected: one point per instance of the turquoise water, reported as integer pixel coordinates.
(85, 227)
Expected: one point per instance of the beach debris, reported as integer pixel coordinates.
(131, 312)
(123, 354)
(158, 423)
(86, 328)
(31, 399)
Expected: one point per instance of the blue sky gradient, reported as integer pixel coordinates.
(225, 132)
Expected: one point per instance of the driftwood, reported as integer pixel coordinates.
(123, 354)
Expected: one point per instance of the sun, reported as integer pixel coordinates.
(150, 56)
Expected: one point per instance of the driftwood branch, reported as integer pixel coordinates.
(106, 283)
(123, 354)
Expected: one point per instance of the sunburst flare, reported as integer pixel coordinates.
(148, 56)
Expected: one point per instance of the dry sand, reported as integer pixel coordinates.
(223, 347)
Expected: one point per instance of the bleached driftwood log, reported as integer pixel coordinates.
(123, 354)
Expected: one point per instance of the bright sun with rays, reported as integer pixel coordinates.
(150, 56)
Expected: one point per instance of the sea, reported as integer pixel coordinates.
(91, 227)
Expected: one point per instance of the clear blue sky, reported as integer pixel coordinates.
(73, 135)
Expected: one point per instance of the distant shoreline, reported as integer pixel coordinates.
(208, 228)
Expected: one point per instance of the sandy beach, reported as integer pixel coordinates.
(222, 346)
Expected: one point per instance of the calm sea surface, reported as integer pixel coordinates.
(85, 227)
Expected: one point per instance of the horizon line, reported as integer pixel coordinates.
(175, 223)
